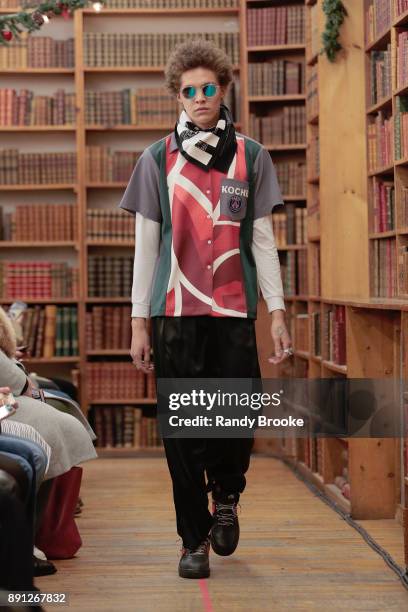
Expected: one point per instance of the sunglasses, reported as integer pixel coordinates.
(209, 90)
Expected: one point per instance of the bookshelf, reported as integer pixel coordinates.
(275, 114)
(352, 322)
(101, 193)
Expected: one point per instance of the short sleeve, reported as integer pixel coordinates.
(142, 192)
(267, 189)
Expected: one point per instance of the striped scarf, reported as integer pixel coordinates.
(210, 148)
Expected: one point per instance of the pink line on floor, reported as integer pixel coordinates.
(205, 595)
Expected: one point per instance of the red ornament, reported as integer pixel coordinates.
(65, 13)
(7, 35)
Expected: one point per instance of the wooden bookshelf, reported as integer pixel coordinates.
(340, 225)
(80, 78)
(38, 128)
(52, 360)
(36, 71)
(255, 49)
(152, 12)
(8, 244)
(43, 187)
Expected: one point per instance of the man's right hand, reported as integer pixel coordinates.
(140, 349)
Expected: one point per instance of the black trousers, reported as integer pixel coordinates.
(204, 347)
(16, 532)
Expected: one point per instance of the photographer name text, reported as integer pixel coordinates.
(245, 421)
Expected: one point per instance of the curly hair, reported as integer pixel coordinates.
(194, 54)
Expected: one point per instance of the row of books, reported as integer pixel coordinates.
(27, 108)
(313, 156)
(147, 49)
(403, 269)
(37, 52)
(383, 204)
(406, 446)
(315, 279)
(378, 19)
(301, 324)
(380, 142)
(276, 25)
(294, 272)
(402, 58)
(403, 202)
(314, 265)
(108, 327)
(109, 225)
(40, 223)
(313, 36)
(37, 280)
(125, 427)
(290, 227)
(275, 78)
(144, 106)
(400, 6)
(291, 177)
(329, 342)
(172, 4)
(315, 333)
(312, 93)
(18, 168)
(51, 331)
(383, 269)
(380, 75)
(311, 453)
(401, 127)
(109, 276)
(105, 165)
(334, 334)
(110, 380)
(286, 126)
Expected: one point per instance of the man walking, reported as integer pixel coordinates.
(202, 197)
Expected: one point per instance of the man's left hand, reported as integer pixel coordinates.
(280, 338)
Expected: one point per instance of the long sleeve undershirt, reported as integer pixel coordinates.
(147, 247)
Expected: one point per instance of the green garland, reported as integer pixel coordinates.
(11, 25)
(335, 12)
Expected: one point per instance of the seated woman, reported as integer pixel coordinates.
(70, 442)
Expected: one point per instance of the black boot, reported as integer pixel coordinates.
(43, 568)
(195, 563)
(225, 530)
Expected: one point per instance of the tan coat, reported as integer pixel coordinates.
(70, 443)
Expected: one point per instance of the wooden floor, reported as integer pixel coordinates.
(295, 553)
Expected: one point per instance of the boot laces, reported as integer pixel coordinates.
(225, 513)
(201, 548)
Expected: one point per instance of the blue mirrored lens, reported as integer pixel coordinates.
(189, 92)
(209, 90)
